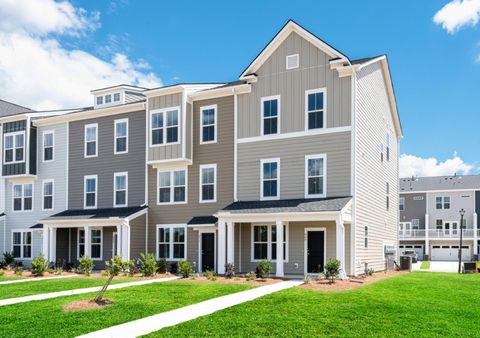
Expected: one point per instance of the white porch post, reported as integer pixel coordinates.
(279, 267)
(475, 234)
(221, 247)
(340, 245)
(230, 242)
(427, 241)
(88, 246)
(53, 245)
(119, 241)
(46, 246)
(125, 242)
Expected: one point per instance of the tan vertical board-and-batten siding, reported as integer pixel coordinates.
(219, 153)
(273, 79)
(165, 152)
(373, 119)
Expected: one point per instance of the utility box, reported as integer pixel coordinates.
(406, 263)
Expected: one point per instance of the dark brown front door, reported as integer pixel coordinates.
(315, 251)
(208, 251)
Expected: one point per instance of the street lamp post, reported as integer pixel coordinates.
(462, 213)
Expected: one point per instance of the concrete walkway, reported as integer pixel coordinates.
(438, 266)
(34, 279)
(156, 322)
(43, 296)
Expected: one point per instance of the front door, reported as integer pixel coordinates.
(315, 251)
(208, 251)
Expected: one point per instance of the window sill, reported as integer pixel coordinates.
(164, 144)
(171, 203)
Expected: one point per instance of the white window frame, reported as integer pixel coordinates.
(312, 157)
(115, 175)
(164, 111)
(23, 197)
(48, 132)
(172, 186)
(401, 203)
(22, 244)
(365, 237)
(115, 151)
(315, 91)
(442, 198)
(279, 113)
(87, 126)
(171, 242)
(43, 194)
(110, 98)
(262, 162)
(14, 144)
(119, 97)
(269, 241)
(292, 56)
(78, 242)
(83, 243)
(96, 100)
(215, 125)
(85, 178)
(208, 166)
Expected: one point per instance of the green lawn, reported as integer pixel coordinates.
(48, 319)
(4, 279)
(53, 285)
(413, 305)
(425, 265)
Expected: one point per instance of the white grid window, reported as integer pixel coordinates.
(14, 147)
(81, 243)
(264, 242)
(270, 115)
(96, 244)
(208, 182)
(90, 198)
(442, 202)
(116, 97)
(121, 136)
(164, 126)
(171, 242)
(121, 189)
(47, 195)
(172, 187)
(22, 244)
(22, 197)
(315, 176)
(315, 106)
(401, 203)
(208, 128)
(48, 141)
(91, 140)
(270, 179)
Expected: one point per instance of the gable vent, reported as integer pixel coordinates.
(292, 61)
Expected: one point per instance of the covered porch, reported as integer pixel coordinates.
(313, 231)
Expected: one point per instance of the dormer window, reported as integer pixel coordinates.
(116, 97)
(292, 61)
(108, 98)
(99, 99)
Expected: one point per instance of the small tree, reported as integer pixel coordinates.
(113, 267)
(148, 264)
(39, 265)
(85, 265)
(264, 268)
(184, 268)
(162, 265)
(332, 269)
(8, 258)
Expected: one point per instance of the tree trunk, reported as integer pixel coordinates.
(102, 291)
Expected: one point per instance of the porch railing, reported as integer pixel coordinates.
(467, 233)
(412, 233)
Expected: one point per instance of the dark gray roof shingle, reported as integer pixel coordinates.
(8, 108)
(96, 213)
(440, 183)
(202, 220)
(292, 205)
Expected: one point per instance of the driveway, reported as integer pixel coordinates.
(438, 266)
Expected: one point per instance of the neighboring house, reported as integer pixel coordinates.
(430, 216)
(305, 141)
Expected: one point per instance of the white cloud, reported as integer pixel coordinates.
(457, 14)
(37, 71)
(411, 165)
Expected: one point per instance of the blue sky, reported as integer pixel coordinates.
(435, 72)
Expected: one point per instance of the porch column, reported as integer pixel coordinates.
(340, 245)
(427, 241)
(88, 246)
(279, 267)
(230, 242)
(46, 242)
(221, 248)
(125, 242)
(53, 245)
(475, 234)
(119, 241)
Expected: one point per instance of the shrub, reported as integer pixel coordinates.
(162, 265)
(332, 269)
(8, 258)
(39, 265)
(250, 276)
(148, 264)
(173, 268)
(307, 279)
(129, 268)
(263, 269)
(2, 273)
(85, 265)
(229, 270)
(114, 266)
(18, 271)
(210, 275)
(184, 268)
(370, 272)
(3, 265)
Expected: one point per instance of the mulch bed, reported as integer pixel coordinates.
(350, 284)
(87, 304)
(239, 280)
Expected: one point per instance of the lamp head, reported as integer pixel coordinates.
(462, 212)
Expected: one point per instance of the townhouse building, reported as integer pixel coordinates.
(430, 216)
(295, 162)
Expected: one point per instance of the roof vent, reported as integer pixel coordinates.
(292, 61)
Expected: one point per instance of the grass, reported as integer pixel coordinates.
(48, 319)
(53, 285)
(411, 305)
(425, 265)
(4, 278)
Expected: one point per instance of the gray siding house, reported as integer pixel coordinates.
(430, 216)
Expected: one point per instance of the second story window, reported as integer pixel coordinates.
(401, 205)
(23, 197)
(90, 192)
(120, 189)
(48, 140)
(270, 179)
(315, 171)
(172, 187)
(91, 140)
(14, 147)
(208, 181)
(121, 136)
(208, 127)
(442, 202)
(315, 108)
(47, 195)
(164, 126)
(270, 115)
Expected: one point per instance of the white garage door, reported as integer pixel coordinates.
(450, 253)
(409, 247)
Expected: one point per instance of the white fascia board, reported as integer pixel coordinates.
(220, 92)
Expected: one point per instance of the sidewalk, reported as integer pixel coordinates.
(35, 279)
(156, 322)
